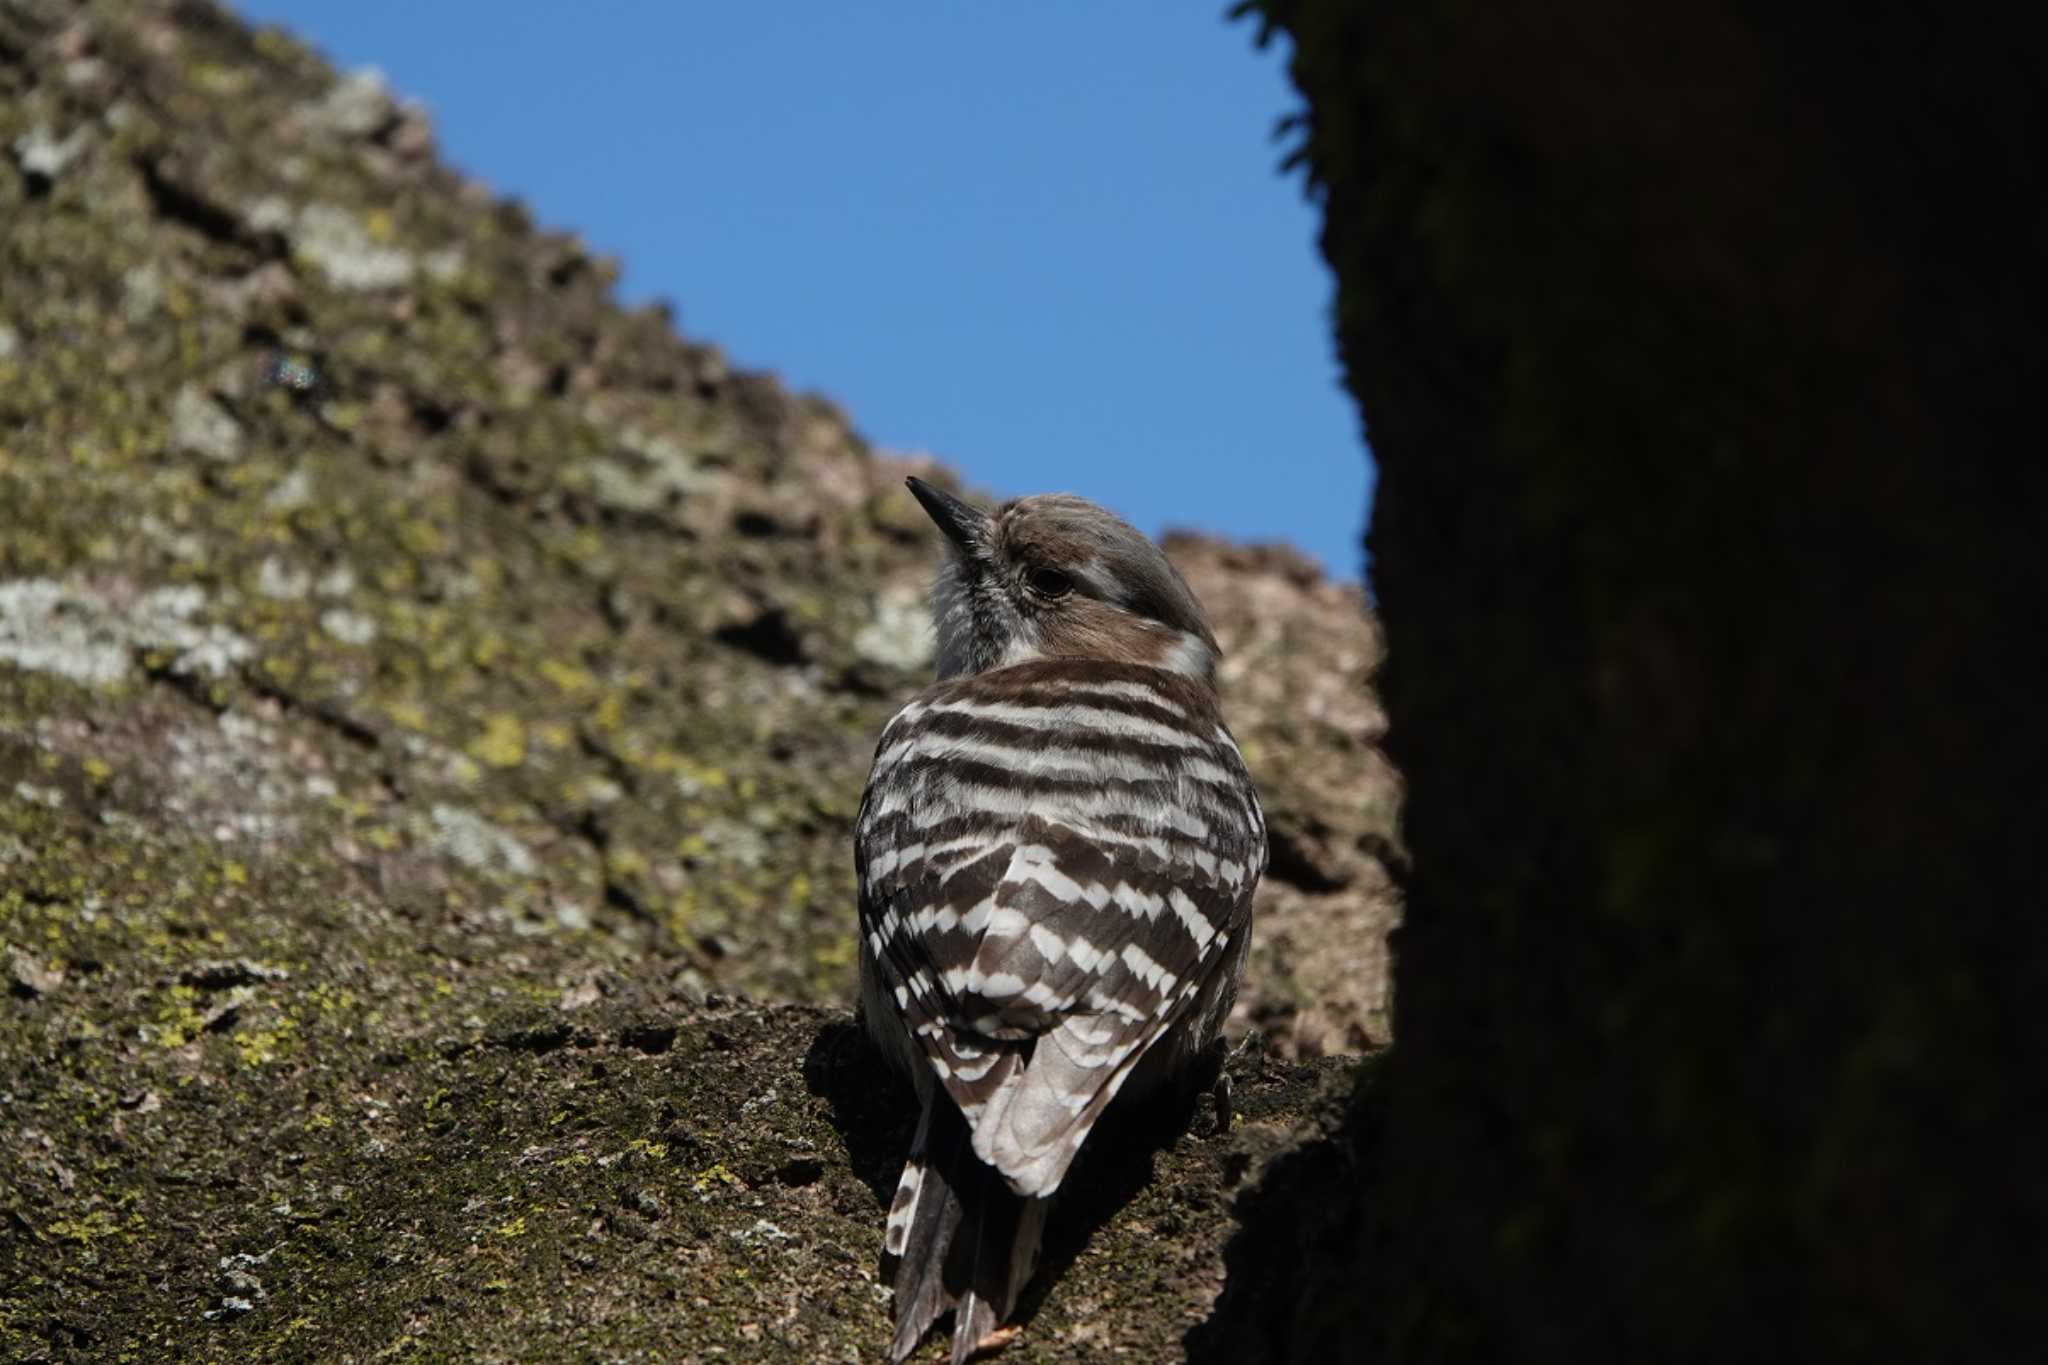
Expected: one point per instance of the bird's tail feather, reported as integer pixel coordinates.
(992, 1256)
(965, 1240)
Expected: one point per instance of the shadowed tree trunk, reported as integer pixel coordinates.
(1695, 344)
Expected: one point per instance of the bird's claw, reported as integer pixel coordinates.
(997, 1339)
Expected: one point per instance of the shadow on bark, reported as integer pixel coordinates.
(874, 1112)
(1314, 1207)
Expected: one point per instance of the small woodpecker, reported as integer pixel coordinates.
(1056, 856)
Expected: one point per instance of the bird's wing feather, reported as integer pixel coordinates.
(1046, 884)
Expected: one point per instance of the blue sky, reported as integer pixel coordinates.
(1045, 242)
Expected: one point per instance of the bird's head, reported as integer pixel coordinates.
(1055, 576)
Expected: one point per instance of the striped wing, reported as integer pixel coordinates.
(1054, 860)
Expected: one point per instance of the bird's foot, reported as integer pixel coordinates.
(997, 1339)
(1220, 1093)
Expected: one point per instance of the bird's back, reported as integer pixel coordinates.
(1056, 865)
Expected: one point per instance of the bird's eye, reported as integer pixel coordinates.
(1050, 583)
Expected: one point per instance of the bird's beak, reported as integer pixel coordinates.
(964, 524)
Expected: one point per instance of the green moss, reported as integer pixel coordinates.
(502, 743)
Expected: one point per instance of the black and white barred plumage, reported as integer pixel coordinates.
(1056, 854)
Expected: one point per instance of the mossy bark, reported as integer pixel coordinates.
(432, 698)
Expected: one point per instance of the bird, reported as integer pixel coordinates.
(1055, 857)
